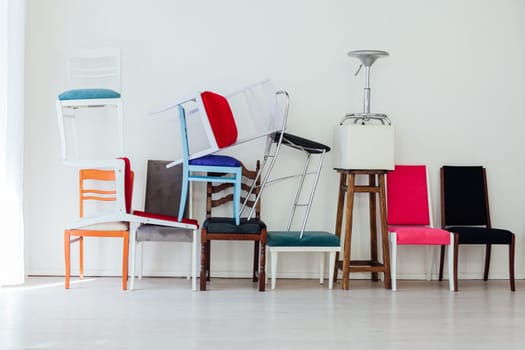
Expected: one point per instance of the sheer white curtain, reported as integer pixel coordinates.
(12, 40)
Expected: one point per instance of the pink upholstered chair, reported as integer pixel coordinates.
(410, 218)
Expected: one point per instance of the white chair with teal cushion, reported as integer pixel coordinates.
(303, 241)
(94, 83)
(324, 243)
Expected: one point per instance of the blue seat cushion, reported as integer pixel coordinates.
(309, 239)
(481, 235)
(216, 160)
(87, 94)
(227, 225)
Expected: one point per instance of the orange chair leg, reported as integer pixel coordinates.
(67, 256)
(81, 255)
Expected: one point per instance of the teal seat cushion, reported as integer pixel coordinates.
(87, 94)
(309, 239)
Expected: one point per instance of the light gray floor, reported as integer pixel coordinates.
(163, 313)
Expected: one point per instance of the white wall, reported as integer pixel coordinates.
(454, 87)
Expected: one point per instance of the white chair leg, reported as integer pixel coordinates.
(321, 268)
(268, 266)
(140, 250)
(273, 258)
(450, 258)
(195, 248)
(189, 271)
(331, 267)
(429, 257)
(133, 244)
(393, 259)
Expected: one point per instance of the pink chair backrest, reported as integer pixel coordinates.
(221, 118)
(407, 196)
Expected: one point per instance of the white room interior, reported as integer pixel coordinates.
(453, 86)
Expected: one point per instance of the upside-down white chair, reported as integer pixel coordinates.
(94, 90)
(210, 122)
(91, 146)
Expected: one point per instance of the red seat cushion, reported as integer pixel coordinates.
(221, 118)
(420, 235)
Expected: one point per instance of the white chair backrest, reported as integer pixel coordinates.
(256, 110)
(94, 68)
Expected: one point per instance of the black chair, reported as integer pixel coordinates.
(465, 211)
(224, 228)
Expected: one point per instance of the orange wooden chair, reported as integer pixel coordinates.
(98, 187)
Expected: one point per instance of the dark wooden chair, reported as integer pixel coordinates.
(224, 228)
(465, 212)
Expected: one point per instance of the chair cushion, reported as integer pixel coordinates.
(156, 233)
(310, 239)
(307, 145)
(420, 235)
(106, 226)
(482, 235)
(227, 225)
(87, 94)
(221, 118)
(215, 160)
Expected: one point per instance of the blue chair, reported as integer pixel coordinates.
(223, 169)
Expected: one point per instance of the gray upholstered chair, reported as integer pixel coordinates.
(161, 201)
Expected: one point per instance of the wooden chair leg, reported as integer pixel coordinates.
(204, 264)
(456, 256)
(125, 257)
(512, 249)
(441, 262)
(487, 262)
(339, 218)
(331, 266)
(67, 256)
(208, 260)
(262, 267)
(255, 260)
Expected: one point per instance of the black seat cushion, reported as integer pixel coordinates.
(227, 225)
(302, 143)
(482, 235)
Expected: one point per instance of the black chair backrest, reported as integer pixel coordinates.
(464, 199)
(218, 194)
(163, 187)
